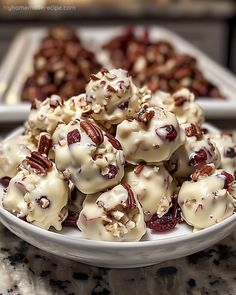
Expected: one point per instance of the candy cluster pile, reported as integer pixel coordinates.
(116, 160)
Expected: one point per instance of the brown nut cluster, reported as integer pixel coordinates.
(158, 65)
(62, 66)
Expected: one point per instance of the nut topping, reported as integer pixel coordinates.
(38, 162)
(179, 100)
(45, 144)
(144, 116)
(130, 201)
(71, 219)
(115, 143)
(73, 137)
(93, 132)
(138, 169)
(194, 130)
(206, 170)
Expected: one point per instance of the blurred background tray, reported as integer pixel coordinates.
(18, 65)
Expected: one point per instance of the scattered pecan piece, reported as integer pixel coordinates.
(93, 132)
(45, 143)
(104, 70)
(115, 143)
(111, 89)
(94, 77)
(73, 137)
(144, 116)
(206, 170)
(130, 201)
(138, 169)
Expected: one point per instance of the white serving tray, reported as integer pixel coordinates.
(27, 43)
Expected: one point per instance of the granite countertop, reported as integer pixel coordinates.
(25, 270)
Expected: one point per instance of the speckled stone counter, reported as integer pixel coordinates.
(25, 269)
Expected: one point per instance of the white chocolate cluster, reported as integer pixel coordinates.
(12, 152)
(153, 186)
(227, 148)
(46, 116)
(152, 136)
(208, 200)
(92, 159)
(114, 215)
(111, 96)
(197, 151)
(113, 159)
(182, 103)
(41, 200)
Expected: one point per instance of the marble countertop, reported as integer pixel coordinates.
(25, 270)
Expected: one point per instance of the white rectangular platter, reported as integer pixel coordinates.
(18, 65)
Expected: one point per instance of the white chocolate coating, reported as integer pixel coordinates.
(91, 168)
(50, 113)
(111, 96)
(152, 142)
(194, 154)
(12, 152)
(105, 217)
(206, 201)
(41, 199)
(153, 186)
(227, 148)
(188, 112)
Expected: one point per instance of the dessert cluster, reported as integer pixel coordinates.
(114, 161)
(63, 64)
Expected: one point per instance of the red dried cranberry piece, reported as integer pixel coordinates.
(229, 178)
(165, 223)
(113, 170)
(230, 152)
(167, 132)
(73, 136)
(4, 181)
(199, 157)
(71, 219)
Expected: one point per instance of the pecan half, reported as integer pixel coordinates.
(45, 143)
(144, 116)
(194, 130)
(93, 132)
(38, 162)
(71, 219)
(130, 201)
(179, 100)
(206, 170)
(138, 169)
(73, 137)
(115, 143)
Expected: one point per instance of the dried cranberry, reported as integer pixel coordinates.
(199, 157)
(165, 223)
(167, 132)
(71, 219)
(113, 170)
(230, 152)
(4, 181)
(229, 178)
(73, 136)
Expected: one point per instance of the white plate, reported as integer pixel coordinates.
(154, 247)
(92, 38)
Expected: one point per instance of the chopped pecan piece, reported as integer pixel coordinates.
(93, 132)
(45, 143)
(130, 201)
(73, 136)
(144, 116)
(194, 130)
(179, 100)
(94, 77)
(115, 143)
(138, 169)
(71, 219)
(206, 170)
